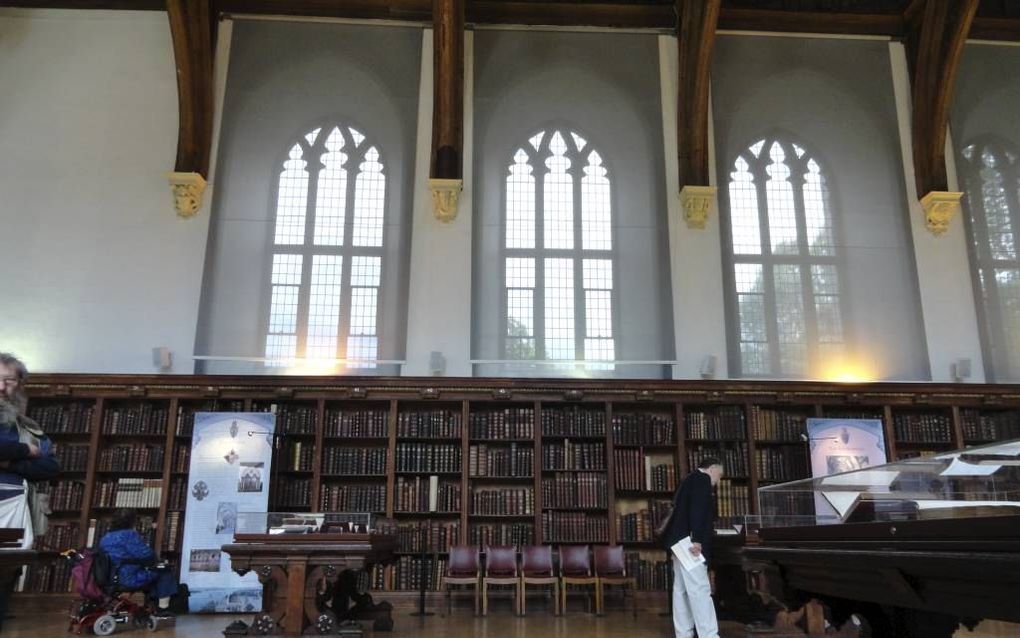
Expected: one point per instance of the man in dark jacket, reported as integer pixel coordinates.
(694, 516)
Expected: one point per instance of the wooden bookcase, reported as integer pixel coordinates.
(515, 461)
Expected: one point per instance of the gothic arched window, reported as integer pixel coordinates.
(991, 175)
(785, 280)
(558, 247)
(327, 250)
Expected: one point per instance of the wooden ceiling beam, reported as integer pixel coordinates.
(446, 170)
(698, 19)
(811, 22)
(191, 29)
(935, 47)
(448, 82)
(410, 10)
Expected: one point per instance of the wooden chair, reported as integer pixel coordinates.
(462, 569)
(537, 569)
(611, 569)
(500, 569)
(575, 569)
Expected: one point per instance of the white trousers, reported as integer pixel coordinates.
(692, 602)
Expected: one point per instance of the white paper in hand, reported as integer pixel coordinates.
(682, 550)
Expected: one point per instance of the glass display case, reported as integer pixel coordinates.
(974, 482)
(305, 523)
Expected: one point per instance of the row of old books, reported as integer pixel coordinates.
(66, 495)
(734, 459)
(724, 422)
(139, 418)
(128, 492)
(649, 574)
(922, 427)
(172, 535)
(377, 577)
(573, 421)
(504, 460)
(358, 424)
(425, 494)
(428, 457)
(509, 423)
(431, 424)
(186, 413)
(779, 503)
(354, 461)
(574, 527)
(63, 418)
(569, 455)
(136, 457)
(300, 456)
(59, 536)
(72, 458)
(989, 426)
(784, 463)
(49, 576)
(633, 470)
(98, 527)
(430, 537)
(574, 490)
(486, 534)
(732, 503)
(182, 457)
(777, 425)
(294, 419)
(407, 573)
(352, 498)
(293, 492)
(639, 526)
(503, 501)
(178, 497)
(643, 429)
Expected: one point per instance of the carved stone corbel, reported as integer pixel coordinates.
(187, 189)
(697, 203)
(939, 208)
(445, 197)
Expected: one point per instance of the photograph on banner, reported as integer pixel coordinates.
(231, 453)
(842, 445)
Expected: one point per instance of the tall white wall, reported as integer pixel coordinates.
(943, 268)
(98, 268)
(699, 317)
(439, 291)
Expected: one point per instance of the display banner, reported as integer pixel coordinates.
(842, 445)
(231, 453)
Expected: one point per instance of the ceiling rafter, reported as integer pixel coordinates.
(192, 29)
(934, 47)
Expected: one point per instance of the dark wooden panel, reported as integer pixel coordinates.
(811, 22)
(698, 19)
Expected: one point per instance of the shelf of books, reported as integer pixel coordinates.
(922, 431)
(478, 461)
(645, 475)
(427, 492)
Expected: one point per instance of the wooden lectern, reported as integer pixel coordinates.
(300, 570)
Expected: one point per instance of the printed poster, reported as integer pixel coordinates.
(231, 453)
(842, 445)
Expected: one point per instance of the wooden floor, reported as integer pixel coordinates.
(499, 624)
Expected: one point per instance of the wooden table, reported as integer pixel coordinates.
(295, 568)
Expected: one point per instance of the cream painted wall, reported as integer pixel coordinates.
(98, 268)
(943, 268)
(439, 291)
(100, 271)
